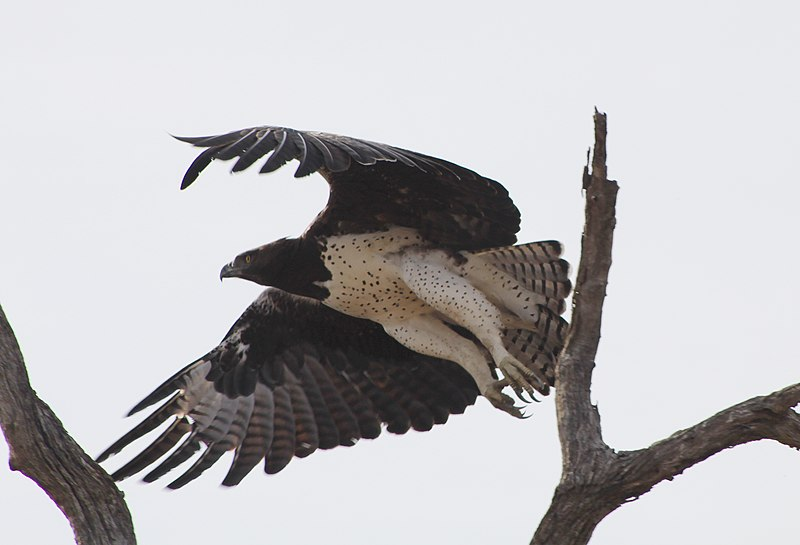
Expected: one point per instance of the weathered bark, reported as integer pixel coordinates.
(42, 450)
(595, 479)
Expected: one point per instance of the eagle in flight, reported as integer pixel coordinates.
(398, 305)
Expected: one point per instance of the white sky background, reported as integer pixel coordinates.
(109, 273)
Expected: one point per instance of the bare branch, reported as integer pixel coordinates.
(42, 450)
(595, 480)
(764, 417)
(585, 455)
(578, 420)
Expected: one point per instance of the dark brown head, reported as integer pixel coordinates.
(288, 264)
(264, 265)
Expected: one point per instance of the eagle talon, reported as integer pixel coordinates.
(518, 377)
(503, 382)
(502, 401)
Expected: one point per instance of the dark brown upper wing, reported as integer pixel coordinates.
(376, 185)
(291, 376)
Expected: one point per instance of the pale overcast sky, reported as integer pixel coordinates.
(110, 273)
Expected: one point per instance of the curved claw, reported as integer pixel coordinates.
(515, 412)
(520, 394)
(500, 400)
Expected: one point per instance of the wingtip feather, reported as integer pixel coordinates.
(189, 139)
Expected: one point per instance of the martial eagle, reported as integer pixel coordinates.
(397, 305)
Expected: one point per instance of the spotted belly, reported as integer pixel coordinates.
(366, 278)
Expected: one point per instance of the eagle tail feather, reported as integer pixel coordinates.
(543, 251)
(528, 348)
(537, 266)
(540, 271)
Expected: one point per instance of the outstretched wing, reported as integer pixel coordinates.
(291, 376)
(374, 185)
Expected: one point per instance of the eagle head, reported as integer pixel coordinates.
(264, 265)
(291, 264)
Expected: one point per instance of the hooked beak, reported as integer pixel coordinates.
(228, 271)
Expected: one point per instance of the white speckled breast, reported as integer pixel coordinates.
(366, 279)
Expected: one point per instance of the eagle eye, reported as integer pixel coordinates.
(247, 258)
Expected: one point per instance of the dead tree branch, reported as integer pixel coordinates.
(595, 479)
(43, 451)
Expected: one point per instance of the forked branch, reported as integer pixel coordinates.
(595, 479)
